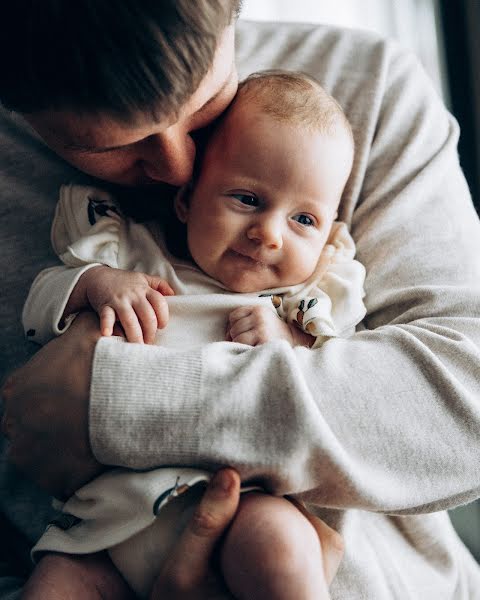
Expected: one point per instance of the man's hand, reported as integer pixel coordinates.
(46, 406)
(135, 299)
(188, 572)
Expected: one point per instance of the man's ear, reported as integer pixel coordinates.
(181, 203)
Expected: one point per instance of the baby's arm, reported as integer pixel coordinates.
(255, 325)
(60, 576)
(134, 299)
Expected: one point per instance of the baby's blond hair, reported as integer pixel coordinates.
(296, 98)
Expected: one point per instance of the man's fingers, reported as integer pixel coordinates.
(189, 562)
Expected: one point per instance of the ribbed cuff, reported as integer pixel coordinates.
(145, 402)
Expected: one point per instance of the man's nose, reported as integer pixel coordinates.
(169, 156)
(268, 232)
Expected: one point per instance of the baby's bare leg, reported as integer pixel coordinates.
(272, 551)
(73, 577)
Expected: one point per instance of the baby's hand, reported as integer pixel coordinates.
(135, 299)
(254, 325)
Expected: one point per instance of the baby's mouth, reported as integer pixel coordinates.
(249, 260)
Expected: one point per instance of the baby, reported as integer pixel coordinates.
(259, 221)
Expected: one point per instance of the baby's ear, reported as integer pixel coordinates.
(181, 203)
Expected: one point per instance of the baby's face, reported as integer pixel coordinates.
(265, 200)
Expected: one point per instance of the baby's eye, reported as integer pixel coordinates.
(304, 220)
(246, 199)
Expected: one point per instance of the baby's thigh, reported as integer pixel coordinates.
(60, 576)
(271, 525)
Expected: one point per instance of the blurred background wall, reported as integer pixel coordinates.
(445, 35)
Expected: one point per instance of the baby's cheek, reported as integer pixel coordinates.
(304, 264)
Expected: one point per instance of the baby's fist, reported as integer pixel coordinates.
(255, 325)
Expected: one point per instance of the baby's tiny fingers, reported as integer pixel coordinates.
(130, 324)
(165, 289)
(239, 313)
(148, 320)
(160, 306)
(160, 285)
(107, 321)
(249, 338)
(241, 326)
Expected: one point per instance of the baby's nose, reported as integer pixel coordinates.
(267, 232)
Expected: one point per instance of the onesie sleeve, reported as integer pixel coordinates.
(46, 301)
(86, 232)
(87, 227)
(330, 304)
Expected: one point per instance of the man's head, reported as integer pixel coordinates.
(117, 87)
(269, 186)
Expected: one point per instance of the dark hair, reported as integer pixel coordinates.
(121, 57)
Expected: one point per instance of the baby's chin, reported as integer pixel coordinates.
(245, 285)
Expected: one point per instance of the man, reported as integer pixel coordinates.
(375, 429)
